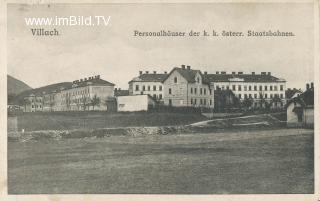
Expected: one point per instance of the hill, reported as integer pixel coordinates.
(15, 86)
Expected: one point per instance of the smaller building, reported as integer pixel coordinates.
(300, 109)
(135, 103)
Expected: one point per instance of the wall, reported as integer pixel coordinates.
(292, 117)
(133, 103)
(309, 117)
(157, 94)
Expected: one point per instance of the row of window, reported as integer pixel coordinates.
(251, 88)
(80, 92)
(144, 88)
(159, 97)
(203, 91)
(201, 101)
(36, 106)
(260, 96)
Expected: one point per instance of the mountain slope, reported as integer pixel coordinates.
(15, 86)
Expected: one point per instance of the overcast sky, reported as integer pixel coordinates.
(115, 54)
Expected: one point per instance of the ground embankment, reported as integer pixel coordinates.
(94, 120)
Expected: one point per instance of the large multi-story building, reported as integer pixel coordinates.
(262, 88)
(148, 83)
(85, 94)
(185, 87)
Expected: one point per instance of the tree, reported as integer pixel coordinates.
(24, 102)
(84, 102)
(95, 101)
(247, 103)
(276, 100)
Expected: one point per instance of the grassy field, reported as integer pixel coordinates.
(90, 120)
(264, 161)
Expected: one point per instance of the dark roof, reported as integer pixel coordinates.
(94, 82)
(188, 74)
(120, 92)
(305, 99)
(292, 92)
(152, 77)
(245, 77)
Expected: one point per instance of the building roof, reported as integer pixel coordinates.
(121, 92)
(245, 77)
(150, 77)
(306, 99)
(92, 82)
(291, 92)
(188, 74)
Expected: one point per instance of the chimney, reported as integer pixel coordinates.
(263, 73)
(253, 73)
(269, 73)
(233, 73)
(205, 72)
(183, 66)
(140, 72)
(217, 72)
(188, 67)
(308, 86)
(147, 72)
(165, 72)
(311, 85)
(98, 76)
(240, 73)
(85, 79)
(223, 72)
(154, 72)
(81, 80)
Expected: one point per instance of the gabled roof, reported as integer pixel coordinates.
(152, 77)
(188, 74)
(245, 77)
(306, 99)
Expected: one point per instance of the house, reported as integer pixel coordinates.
(134, 103)
(120, 92)
(90, 93)
(300, 109)
(264, 89)
(186, 87)
(148, 83)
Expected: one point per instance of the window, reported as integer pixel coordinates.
(266, 96)
(250, 96)
(281, 87)
(239, 87)
(195, 90)
(210, 91)
(281, 95)
(160, 96)
(154, 96)
(210, 102)
(200, 91)
(271, 95)
(154, 88)
(170, 102)
(191, 101)
(195, 101)
(255, 95)
(160, 88)
(205, 91)
(240, 96)
(245, 88)
(255, 87)
(270, 88)
(137, 87)
(191, 91)
(205, 101)
(217, 87)
(200, 101)
(266, 88)
(246, 96)
(227, 87)
(143, 88)
(175, 79)
(233, 87)
(276, 88)
(198, 80)
(169, 90)
(148, 88)
(249, 88)
(260, 88)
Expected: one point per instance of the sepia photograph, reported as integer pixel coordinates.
(160, 98)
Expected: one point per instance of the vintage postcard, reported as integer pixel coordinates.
(160, 100)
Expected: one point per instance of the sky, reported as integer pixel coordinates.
(114, 53)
